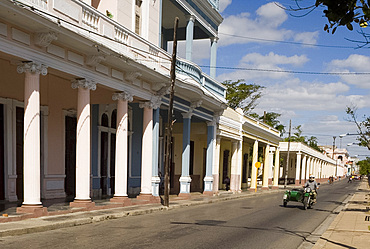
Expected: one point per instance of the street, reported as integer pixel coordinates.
(254, 222)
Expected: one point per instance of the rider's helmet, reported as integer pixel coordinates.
(312, 178)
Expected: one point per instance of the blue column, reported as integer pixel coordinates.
(208, 179)
(213, 60)
(185, 178)
(190, 37)
(155, 179)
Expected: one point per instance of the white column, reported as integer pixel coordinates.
(308, 167)
(298, 168)
(234, 166)
(240, 165)
(83, 141)
(303, 176)
(276, 168)
(254, 169)
(31, 152)
(216, 165)
(120, 182)
(189, 37)
(265, 182)
(147, 151)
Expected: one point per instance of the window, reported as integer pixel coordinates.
(137, 24)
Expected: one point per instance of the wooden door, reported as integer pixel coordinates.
(2, 147)
(19, 152)
(70, 156)
(104, 162)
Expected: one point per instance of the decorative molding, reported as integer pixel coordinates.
(32, 67)
(44, 39)
(123, 96)
(81, 82)
(154, 103)
(94, 60)
(195, 104)
(163, 91)
(131, 76)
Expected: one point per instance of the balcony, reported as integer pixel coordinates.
(125, 43)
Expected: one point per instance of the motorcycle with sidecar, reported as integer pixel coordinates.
(304, 195)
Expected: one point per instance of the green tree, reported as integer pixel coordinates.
(348, 13)
(271, 119)
(363, 127)
(242, 95)
(312, 142)
(364, 166)
(297, 135)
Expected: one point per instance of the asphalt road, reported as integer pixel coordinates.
(254, 222)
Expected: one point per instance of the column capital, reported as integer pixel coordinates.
(214, 39)
(122, 96)
(190, 18)
(212, 123)
(32, 67)
(81, 82)
(187, 114)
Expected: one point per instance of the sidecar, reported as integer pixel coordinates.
(293, 195)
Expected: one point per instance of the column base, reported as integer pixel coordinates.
(275, 187)
(82, 204)
(149, 198)
(252, 189)
(208, 193)
(185, 195)
(265, 188)
(123, 200)
(37, 210)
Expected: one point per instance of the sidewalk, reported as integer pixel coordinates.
(62, 216)
(351, 227)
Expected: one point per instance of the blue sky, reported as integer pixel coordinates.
(317, 102)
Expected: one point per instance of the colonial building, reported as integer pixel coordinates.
(241, 142)
(84, 99)
(305, 161)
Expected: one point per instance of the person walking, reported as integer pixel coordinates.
(227, 183)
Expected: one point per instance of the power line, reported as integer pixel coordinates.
(290, 42)
(287, 71)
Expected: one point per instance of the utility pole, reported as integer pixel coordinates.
(287, 160)
(168, 158)
(336, 166)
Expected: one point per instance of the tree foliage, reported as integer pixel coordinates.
(363, 127)
(347, 13)
(271, 119)
(364, 166)
(298, 137)
(242, 95)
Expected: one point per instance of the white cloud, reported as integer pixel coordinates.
(223, 4)
(270, 61)
(271, 15)
(274, 59)
(307, 37)
(355, 63)
(237, 27)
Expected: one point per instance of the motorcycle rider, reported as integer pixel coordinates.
(313, 186)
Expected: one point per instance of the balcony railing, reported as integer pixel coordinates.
(215, 3)
(123, 41)
(191, 70)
